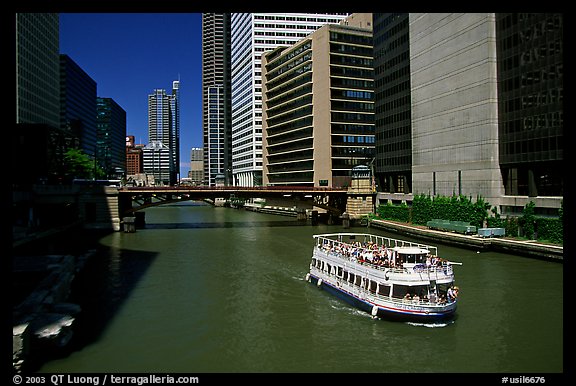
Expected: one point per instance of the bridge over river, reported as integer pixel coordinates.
(331, 199)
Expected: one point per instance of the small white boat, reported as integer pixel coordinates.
(386, 277)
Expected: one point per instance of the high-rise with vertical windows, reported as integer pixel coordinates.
(393, 166)
(111, 137)
(38, 68)
(251, 35)
(78, 104)
(164, 133)
(318, 116)
(530, 103)
(216, 96)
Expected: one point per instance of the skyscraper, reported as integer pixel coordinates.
(78, 104)
(251, 35)
(216, 96)
(38, 68)
(164, 132)
(530, 103)
(110, 137)
(393, 166)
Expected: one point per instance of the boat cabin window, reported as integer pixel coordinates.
(383, 289)
(412, 255)
(351, 277)
(400, 291)
(372, 286)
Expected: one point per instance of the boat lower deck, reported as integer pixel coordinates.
(394, 309)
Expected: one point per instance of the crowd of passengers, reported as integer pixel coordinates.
(378, 255)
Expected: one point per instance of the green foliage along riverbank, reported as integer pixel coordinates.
(478, 213)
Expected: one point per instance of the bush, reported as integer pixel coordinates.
(395, 212)
(454, 208)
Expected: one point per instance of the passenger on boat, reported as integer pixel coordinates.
(452, 294)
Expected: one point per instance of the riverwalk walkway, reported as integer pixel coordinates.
(530, 248)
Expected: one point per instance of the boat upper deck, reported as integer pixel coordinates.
(396, 257)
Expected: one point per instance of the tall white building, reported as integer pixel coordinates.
(164, 130)
(251, 35)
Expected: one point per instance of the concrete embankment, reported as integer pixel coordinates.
(529, 248)
(42, 317)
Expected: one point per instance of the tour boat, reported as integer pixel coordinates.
(388, 278)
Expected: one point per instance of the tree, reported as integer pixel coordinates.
(78, 164)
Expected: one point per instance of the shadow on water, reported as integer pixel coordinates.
(225, 224)
(100, 289)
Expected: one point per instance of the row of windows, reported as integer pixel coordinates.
(288, 126)
(351, 38)
(299, 70)
(402, 72)
(352, 139)
(540, 121)
(351, 94)
(541, 99)
(291, 177)
(299, 18)
(292, 166)
(344, 128)
(295, 93)
(294, 104)
(306, 110)
(352, 61)
(285, 58)
(352, 117)
(352, 106)
(363, 151)
(307, 154)
(352, 72)
(278, 71)
(305, 143)
(297, 82)
(387, 133)
(356, 50)
(290, 136)
(403, 101)
(402, 26)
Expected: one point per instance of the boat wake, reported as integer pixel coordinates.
(430, 325)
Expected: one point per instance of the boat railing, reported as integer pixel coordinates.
(399, 302)
(380, 240)
(417, 272)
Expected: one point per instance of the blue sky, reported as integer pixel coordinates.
(130, 54)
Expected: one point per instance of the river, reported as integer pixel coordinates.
(204, 289)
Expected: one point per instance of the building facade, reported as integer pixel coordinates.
(472, 103)
(157, 159)
(393, 166)
(216, 121)
(78, 104)
(38, 68)
(530, 105)
(251, 35)
(318, 116)
(196, 174)
(134, 158)
(164, 132)
(110, 137)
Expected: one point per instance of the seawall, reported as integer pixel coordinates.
(529, 248)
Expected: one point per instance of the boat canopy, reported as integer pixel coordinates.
(411, 251)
